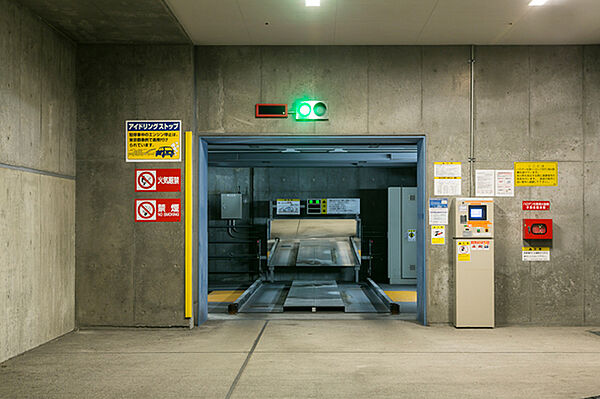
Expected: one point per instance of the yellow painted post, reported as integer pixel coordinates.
(189, 217)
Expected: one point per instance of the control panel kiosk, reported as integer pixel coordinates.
(473, 222)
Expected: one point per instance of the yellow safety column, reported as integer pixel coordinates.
(189, 218)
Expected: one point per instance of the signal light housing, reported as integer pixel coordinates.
(313, 110)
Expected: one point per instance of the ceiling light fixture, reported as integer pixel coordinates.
(313, 3)
(534, 3)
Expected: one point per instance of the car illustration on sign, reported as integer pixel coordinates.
(164, 151)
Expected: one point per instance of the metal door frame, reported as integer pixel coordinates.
(202, 264)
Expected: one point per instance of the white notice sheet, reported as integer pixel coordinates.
(447, 178)
(505, 183)
(484, 183)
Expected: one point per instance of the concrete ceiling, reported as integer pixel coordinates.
(386, 22)
(111, 21)
(335, 22)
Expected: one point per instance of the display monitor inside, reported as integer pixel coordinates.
(477, 212)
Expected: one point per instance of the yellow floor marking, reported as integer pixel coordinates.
(402, 296)
(224, 296)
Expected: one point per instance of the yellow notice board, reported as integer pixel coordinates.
(153, 141)
(536, 173)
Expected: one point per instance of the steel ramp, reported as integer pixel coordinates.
(314, 295)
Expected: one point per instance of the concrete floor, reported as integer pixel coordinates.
(310, 358)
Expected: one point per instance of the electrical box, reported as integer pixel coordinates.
(537, 229)
(473, 221)
(231, 206)
(402, 235)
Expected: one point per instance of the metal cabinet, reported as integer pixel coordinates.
(402, 235)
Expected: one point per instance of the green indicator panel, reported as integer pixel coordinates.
(313, 207)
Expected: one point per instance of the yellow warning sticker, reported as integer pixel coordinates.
(536, 248)
(153, 141)
(463, 251)
(438, 235)
(536, 173)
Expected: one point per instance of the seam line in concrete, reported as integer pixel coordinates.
(432, 353)
(84, 352)
(98, 352)
(239, 374)
(583, 134)
(36, 171)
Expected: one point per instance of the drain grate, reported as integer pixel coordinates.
(598, 334)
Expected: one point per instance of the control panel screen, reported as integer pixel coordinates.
(477, 212)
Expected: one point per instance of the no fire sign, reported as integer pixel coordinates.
(158, 180)
(158, 210)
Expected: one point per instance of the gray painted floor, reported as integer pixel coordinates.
(310, 358)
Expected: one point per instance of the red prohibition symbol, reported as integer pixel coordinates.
(146, 210)
(146, 180)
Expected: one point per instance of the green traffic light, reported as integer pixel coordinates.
(304, 109)
(320, 109)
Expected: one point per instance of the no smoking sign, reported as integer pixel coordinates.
(158, 210)
(158, 180)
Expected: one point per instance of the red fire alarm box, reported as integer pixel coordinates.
(537, 229)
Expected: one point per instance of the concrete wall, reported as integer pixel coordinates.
(532, 103)
(37, 182)
(128, 274)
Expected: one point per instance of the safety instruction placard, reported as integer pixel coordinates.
(343, 206)
(438, 235)
(438, 211)
(153, 141)
(535, 254)
(447, 178)
(536, 173)
(158, 210)
(463, 251)
(288, 206)
(158, 180)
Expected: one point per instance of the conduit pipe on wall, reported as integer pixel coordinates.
(472, 120)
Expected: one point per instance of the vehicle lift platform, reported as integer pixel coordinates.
(313, 296)
(305, 248)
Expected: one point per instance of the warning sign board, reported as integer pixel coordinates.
(411, 234)
(158, 180)
(536, 173)
(463, 251)
(158, 210)
(152, 141)
(536, 205)
(539, 254)
(438, 235)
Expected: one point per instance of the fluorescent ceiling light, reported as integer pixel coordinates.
(313, 3)
(532, 3)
